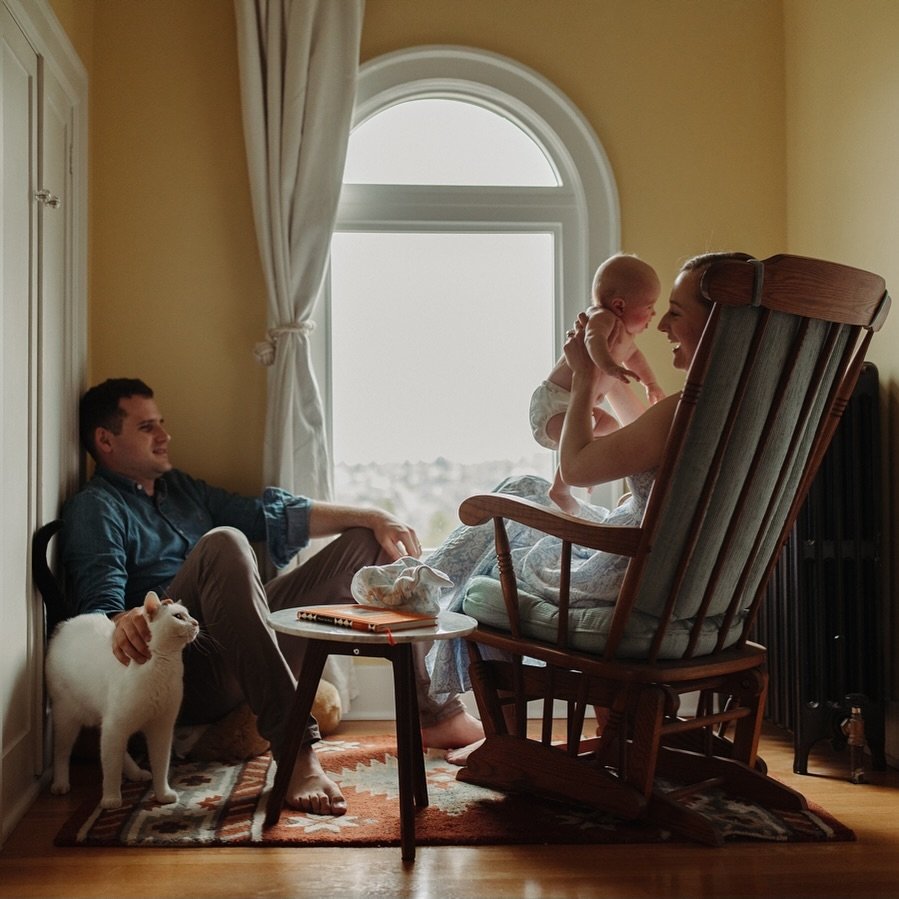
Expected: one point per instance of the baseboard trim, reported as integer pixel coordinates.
(374, 678)
(375, 699)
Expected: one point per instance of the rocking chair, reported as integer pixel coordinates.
(776, 365)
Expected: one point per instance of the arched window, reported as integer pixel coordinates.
(476, 204)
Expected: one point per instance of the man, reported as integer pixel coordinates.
(140, 524)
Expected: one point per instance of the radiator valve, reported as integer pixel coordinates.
(854, 729)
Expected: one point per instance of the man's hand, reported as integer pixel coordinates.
(131, 638)
(396, 539)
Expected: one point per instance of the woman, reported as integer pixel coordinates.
(633, 452)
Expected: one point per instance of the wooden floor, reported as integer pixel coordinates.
(30, 866)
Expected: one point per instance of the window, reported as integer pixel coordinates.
(476, 204)
(443, 141)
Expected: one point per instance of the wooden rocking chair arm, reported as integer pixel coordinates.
(484, 507)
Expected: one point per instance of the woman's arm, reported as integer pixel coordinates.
(587, 460)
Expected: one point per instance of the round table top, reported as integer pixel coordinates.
(449, 625)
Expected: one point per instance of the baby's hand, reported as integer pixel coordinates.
(620, 373)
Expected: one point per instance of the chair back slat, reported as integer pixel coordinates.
(740, 590)
(767, 556)
(715, 469)
(734, 534)
(782, 498)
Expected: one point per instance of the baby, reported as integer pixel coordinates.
(625, 290)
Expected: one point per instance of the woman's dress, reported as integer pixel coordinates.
(596, 576)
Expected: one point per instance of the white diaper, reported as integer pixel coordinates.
(546, 401)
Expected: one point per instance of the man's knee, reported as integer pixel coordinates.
(224, 538)
(226, 546)
(362, 543)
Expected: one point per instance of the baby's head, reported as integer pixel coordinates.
(629, 287)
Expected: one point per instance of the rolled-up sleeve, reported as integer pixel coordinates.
(286, 524)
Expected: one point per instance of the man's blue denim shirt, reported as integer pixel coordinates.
(118, 542)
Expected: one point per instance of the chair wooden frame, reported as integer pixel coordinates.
(55, 606)
(650, 757)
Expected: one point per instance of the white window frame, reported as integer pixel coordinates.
(582, 212)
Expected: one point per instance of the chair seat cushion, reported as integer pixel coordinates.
(587, 627)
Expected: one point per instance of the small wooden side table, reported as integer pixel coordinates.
(325, 640)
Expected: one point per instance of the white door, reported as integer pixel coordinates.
(58, 361)
(43, 128)
(18, 145)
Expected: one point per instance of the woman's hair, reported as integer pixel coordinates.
(99, 408)
(705, 259)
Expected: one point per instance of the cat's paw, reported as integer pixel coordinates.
(111, 802)
(167, 797)
(60, 788)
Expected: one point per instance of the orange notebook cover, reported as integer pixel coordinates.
(365, 618)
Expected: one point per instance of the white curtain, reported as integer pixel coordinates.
(298, 65)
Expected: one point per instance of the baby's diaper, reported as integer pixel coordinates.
(547, 400)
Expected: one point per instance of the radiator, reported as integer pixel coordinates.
(822, 618)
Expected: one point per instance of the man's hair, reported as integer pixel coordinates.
(99, 408)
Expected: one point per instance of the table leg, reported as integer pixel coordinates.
(421, 782)
(313, 664)
(410, 760)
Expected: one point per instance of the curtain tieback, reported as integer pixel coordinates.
(264, 351)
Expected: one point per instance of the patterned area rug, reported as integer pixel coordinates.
(225, 804)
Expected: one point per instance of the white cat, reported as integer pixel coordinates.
(88, 686)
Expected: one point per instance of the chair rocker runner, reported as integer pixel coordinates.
(777, 363)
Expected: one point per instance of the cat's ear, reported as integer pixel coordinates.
(151, 604)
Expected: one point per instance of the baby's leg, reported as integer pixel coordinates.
(554, 427)
(626, 405)
(603, 423)
(560, 494)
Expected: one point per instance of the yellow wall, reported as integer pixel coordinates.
(77, 20)
(177, 295)
(842, 76)
(687, 99)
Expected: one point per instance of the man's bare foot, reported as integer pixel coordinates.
(460, 756)
(311, 790)
(452, 733)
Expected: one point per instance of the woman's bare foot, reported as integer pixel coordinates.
(460, 756)
(452, 733)
(311, 790)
